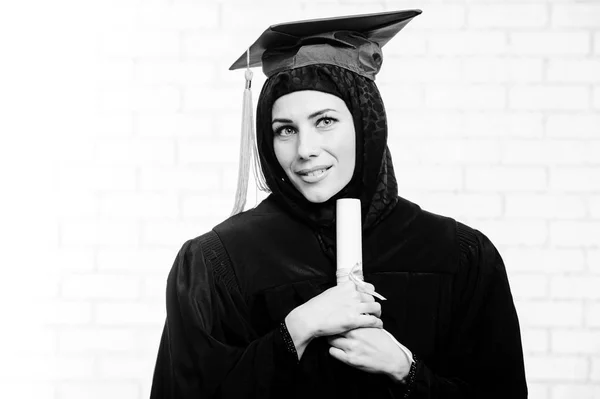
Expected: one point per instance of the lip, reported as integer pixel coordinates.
(313, 179)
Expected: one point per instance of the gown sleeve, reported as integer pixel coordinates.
(483, 357)
(208, 348)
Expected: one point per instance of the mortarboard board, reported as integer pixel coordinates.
(351, 42)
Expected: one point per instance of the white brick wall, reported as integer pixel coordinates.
(125, 145)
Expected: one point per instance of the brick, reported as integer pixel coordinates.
(597, 43)
(549, 43)
(72, 260)
(195, 46)
(144, 206)
(507, 15)
(130, 43)
(91, 390)
(244, 16)
(596, 98)
(128, 313)
(27, 388)
(463, 205)
(93, 233)
(155, 287)
(545, 152)
(196, 98)
(573, 125)
(553, 368)
(538, 390)
(582, 391)
(575, 15)
(172, 234)
(575, 179)
(28, 340)
(595, 372)
(544, 206)
(404, 45)
(429, 178)
(99, 286)
(419, 124)
(514, 232)
(96, 340)
(594, 206)
(324, 9)
(501, 70)
(192, 151)
(208, 206)
(593, 260)
(121, 367)
(548, 97)
(144, 261)
(112, 125)
(79, 151)
(66, 313)
(119, 71)
(575, 342)
(480, 97)
(176, 17)
(425, 70)
(468, 43)
(188, 178)
(546, 313)
(575, 287)
(157, 98)
(440, 151)
(410, 97)
(575, 234)
(48, 368)
(166, 72)
(592, 314)
(515, 124)
(442, 16)
(580, 70)
(175, 125)
(505, 178)
(535, 340)
(134, 152)
(525, 286)
(82, 179)
(77, 204)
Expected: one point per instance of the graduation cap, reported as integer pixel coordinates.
(350, 42)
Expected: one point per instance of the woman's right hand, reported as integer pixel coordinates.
(337, 310)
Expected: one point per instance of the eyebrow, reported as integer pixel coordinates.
(311, 116)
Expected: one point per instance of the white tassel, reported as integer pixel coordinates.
(248, 149)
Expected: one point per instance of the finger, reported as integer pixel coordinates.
(338, 354)
(367, 320)
(341, 343)
(373, 308)
(366, 297)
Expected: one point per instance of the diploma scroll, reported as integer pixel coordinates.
(349, 251)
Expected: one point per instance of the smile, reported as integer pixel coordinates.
(313, 175)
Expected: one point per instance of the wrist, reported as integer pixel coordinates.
(298, 328)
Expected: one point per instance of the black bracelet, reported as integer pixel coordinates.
(287, 339)
(410, 378)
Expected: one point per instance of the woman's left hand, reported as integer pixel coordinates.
(371, 350)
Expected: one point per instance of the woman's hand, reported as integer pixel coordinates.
(339, 309)
(371, 350)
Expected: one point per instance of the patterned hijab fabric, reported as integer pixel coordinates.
(373, 181)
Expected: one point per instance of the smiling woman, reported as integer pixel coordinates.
(253, 309)
(314, 142)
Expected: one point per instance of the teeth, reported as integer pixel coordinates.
(316, 172)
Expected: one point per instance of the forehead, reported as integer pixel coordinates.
(303, 103)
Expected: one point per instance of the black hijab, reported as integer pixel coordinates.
(373, 181)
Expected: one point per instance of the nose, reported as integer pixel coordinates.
(309, 144)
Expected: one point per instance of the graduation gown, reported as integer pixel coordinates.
(448, 301)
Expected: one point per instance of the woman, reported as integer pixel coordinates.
(252, 307)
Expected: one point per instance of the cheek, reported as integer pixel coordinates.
(282, 153)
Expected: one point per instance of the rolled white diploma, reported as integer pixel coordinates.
(349, 251)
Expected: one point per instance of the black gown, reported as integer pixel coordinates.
(448, 301)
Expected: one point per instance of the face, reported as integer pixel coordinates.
(314, 142)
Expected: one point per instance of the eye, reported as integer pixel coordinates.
(284, 131)
(326, 122)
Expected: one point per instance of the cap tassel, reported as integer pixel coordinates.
(248, 149)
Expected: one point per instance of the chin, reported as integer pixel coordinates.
(316, 197)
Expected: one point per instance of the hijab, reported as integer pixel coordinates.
(373, 180)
